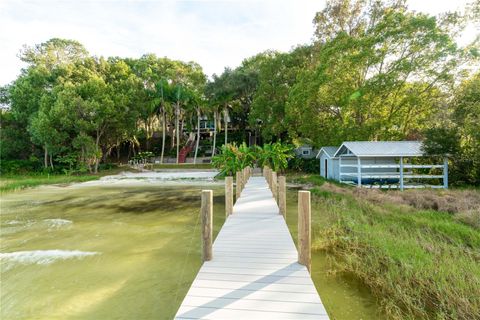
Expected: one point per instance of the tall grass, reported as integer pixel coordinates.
(420, 263)
(19, 182)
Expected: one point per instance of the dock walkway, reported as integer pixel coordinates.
(254, 272)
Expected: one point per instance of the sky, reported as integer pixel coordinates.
(214, 33)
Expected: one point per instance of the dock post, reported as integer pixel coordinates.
(207, 221)
(282, 196)
(228, 195)
(304, 228)
(269, 178)
(239, 185)
(274, 186)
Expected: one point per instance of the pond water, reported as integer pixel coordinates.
(119, 252)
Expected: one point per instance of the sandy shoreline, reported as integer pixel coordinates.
(157, 178)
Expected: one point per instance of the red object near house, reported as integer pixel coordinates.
(182, 155)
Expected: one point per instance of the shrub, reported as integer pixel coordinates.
(19, 166)
(304, 165)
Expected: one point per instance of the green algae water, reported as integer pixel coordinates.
(100, 252)
(121, 252)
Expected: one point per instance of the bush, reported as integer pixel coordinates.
(304, 165)
(19, 166)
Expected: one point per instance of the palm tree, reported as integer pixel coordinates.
(164, 92)
(178, 97)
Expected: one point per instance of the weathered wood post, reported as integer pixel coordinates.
(282, 196)
(228, 196)
(274, 186)
(207, 221)
(238, 189)
(269, 178)
(304, 228)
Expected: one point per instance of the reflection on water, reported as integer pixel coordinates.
(100, 252)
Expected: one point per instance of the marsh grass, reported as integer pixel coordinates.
(14, 182)
(417, 251)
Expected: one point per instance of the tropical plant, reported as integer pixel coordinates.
(275, 155)
(227, 160)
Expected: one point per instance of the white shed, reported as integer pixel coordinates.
(388, 164)
(328, 163)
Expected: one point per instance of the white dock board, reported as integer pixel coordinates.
(254, 271)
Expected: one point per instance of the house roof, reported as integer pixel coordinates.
(329, 151)
(382, 148)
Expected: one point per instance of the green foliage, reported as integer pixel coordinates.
(232, 158)
(420, 264)
(275, 155)
(19, 166)
(457, 133)
(304, 165)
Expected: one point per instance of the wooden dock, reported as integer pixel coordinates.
(254, 272)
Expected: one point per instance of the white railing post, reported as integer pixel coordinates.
(445, 173)
(401, 173)
(339, 168)
(359, 172)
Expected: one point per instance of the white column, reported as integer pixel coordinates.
(359, 172)
(340, 168)
(445, 173)
(401, 173)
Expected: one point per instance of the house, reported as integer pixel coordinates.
(328, 163)
(384, 164)
(305, 151)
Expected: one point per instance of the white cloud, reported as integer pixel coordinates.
(213, 33)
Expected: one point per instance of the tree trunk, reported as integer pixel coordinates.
(177, 133)
(164, 120)
(147, 136)
(198, 136)
(97, 160)
(118, 151)
(45, 157)
(214, 132)
(51, 162)
(225, 119)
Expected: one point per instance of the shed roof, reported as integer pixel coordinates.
(382, 148)
(330, 151)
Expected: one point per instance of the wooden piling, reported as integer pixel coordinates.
(228, 196)
(274, 186)
(238, 188)
(304, 229)
(207, 221)
(282, 196)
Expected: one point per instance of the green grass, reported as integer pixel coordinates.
(19, 182)
(10, 183)
(420, 264)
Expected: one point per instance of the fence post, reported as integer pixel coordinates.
(207, 221)
(282, 196)
(274, 186)
(239, 185)
(304, 228)
(228, 196)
